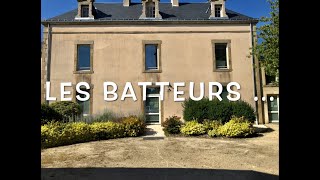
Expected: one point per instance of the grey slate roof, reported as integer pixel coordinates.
(185, 12)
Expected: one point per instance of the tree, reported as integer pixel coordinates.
(268, 50)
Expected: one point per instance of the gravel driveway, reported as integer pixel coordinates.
(258, 156)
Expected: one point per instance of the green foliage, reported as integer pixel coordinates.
(48, 114)
(211, 125)
(216, 110)
(105, 116)
(214, 132)
(236, 127)
(67, 109)
(195, 109)
(220, 110)
(107, 130)
(59, 134)
(193, 128)
(268, 50)
(133, 126)
(241, 108)
(172, 125)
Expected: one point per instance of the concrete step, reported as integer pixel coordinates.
(154, 131)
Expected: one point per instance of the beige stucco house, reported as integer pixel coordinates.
(150, 42)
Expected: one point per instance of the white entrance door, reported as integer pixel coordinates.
(152, 105)
(273, 109)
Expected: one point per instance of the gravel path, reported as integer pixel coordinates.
(259, 154)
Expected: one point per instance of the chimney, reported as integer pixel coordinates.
(175, 3)
(126, 3)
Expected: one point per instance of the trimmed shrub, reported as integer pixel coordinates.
(67, 109)
(107, 130)
(236, 127)
(216, 110)
(193, 128)
(172, 125)
(219, 110)
(58, 134)
(48, 114)
(195, 109)
(133, 126)
(211, 125)
(214, 133)
(241, 108)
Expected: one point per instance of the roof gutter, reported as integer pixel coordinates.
(48, 54)
(149, 22)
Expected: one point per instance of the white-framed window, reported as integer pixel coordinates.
(273, 108)
(221, 55)
(85, 11)
(217, 10)
(84, 105)
(151, 57)
(152, 105)
(150, 10)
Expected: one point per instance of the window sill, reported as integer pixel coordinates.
(83, 72)
(152, 71)
(222, 70)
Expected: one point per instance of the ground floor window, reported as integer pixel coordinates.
(152, 105)
(273, 108)
(85, 105)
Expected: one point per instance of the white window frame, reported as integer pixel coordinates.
(274, 112)
(227, 57)
(156, 96)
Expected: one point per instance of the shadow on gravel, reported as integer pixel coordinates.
(151, 173)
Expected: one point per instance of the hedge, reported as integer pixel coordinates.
(58, 134)
(216, 110)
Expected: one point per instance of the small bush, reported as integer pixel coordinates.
(107, 130)
(76, 133)
(67, 109)
(214, 132)
(211, 125)
(172, 125)
(193, 128)
(236, 127)
(48, 114)
(241, 108)
(133, 126)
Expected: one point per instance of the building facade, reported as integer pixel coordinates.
(150, 42)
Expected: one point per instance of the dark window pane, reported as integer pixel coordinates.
(152, 118)
(84, 11)
(218, 11)
(154, 90)
(85, 105)
(224, 93)
(221, 55)
(150, 10)
(152, 105)
(83, 57)
(151, 56)
(270, 79)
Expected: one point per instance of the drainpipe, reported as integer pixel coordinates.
(48, 55)
(253, 73)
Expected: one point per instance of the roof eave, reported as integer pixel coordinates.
(139, 21)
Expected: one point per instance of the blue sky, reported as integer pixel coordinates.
(252, 8)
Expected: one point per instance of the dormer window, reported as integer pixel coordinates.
(150, 10)
(218, 10)
(85, 11)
